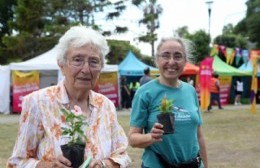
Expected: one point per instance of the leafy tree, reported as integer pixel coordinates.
(253, 20)
(250, 25)
(119, 50)
(231, 39)
(201, 40)
(151, 13)
(39, 23)
(183, 32)
(6, 14)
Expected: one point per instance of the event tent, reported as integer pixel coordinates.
(132, 66)
(48, 61)
(4, 89)
(223, 69)
(248, 67)
(50, 74)
(190, 69)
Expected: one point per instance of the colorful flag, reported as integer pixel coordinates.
(205, 73)
(254, 57)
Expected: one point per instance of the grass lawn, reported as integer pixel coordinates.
(232, 138)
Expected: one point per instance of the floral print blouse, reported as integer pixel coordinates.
(41, 120)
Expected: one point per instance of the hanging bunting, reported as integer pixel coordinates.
(238, 56)
(245, 55)
(229, 55)
(223, 50)
(214, 50)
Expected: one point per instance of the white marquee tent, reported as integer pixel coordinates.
(46, 63)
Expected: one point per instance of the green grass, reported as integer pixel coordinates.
(232, 139)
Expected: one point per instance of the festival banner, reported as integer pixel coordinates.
(108, 86)
(204, 84)
(225, 86)
(23, 84)
(254, 59)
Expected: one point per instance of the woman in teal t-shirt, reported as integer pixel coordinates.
(186, 146)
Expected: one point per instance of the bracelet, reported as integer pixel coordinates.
(103, 164)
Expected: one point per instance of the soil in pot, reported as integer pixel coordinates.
(167, 120)
(75, 153)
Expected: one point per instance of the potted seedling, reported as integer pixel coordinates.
(74, 150)
(166, 116)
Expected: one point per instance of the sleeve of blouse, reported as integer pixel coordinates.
(119, 143)
(29, 134)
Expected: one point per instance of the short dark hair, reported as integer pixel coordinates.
(146, 70)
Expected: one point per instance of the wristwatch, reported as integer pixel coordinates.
(103, 164)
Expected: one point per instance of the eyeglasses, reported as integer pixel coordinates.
(166, 56)
(79, 62)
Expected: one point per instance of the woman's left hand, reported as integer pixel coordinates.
(59, 162)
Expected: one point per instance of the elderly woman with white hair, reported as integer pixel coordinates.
(81, 53)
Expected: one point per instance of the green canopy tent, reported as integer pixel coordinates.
(223, 69)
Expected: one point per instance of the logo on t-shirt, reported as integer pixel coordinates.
(181, 114)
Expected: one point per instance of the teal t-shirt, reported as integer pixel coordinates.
(183, 144)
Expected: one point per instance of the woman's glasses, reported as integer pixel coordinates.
(79, 62)
(166, 56)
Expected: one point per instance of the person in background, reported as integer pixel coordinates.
(239, 88)
(190, 80)
(81, 55)
(214, 91)
(186, 147)
(125, 94)
(146, 78)
(133, 87)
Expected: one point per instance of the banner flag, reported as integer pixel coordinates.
(205, 73)
(23, 84)
(108, 86)
(254, 58)
(225, 87)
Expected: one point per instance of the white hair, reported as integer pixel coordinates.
(78, 36)
(187, 45)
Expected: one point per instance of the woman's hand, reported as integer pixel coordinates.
(95, 164)
(60, 162)
(108, 163)
(157, 132)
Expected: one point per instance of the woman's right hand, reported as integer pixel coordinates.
(60, 162)
(157, 132)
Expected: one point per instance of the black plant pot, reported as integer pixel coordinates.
(75, 153)
(167, 120)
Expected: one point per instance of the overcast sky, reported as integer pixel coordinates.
(191, 13)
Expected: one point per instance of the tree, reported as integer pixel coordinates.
(250, 25)
(253, 21)
(201, 39)
(230, 38)
(6, 14)
(183, 32)
(151, 13)
(118, 51)
(40, 23)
